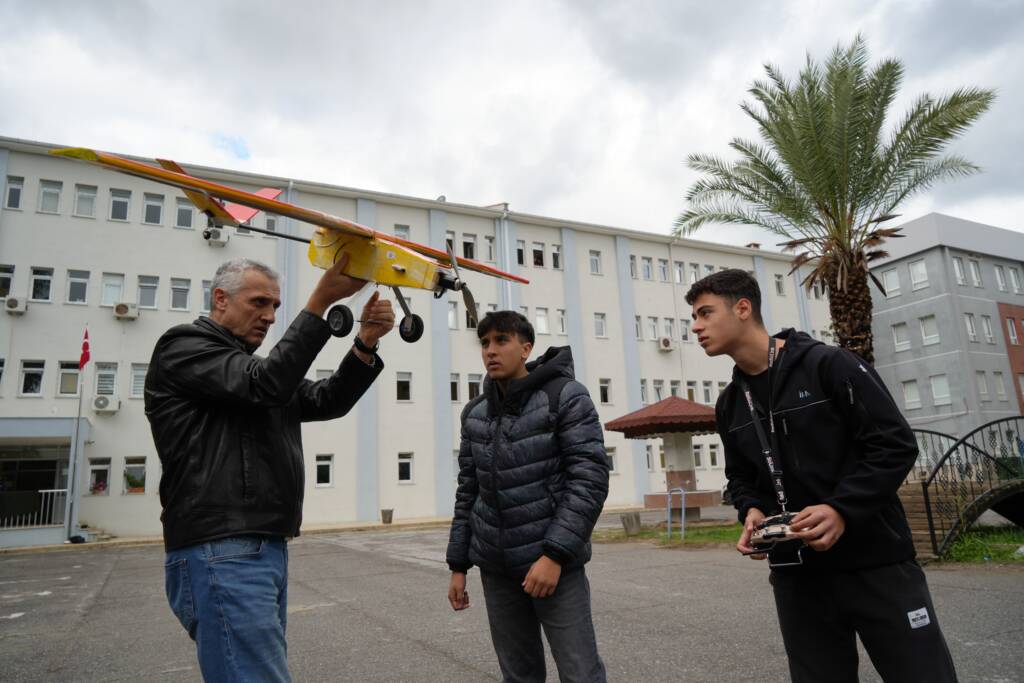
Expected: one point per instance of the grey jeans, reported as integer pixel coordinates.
(516, 620)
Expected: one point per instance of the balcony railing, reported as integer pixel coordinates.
(29, 509)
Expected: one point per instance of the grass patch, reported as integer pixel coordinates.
(988, 544)
(696, 535)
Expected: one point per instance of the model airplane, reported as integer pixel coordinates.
(373, 256)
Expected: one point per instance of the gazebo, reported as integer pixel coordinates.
(676, 421)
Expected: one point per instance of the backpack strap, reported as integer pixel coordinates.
(554, 391)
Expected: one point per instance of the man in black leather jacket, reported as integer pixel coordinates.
(226, 425)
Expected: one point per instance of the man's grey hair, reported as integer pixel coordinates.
(230, 275)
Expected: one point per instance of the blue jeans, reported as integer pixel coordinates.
(516, 620)
(231, 595)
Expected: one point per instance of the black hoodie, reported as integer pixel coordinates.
(842, 441)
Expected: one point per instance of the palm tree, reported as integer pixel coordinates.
(827, 174)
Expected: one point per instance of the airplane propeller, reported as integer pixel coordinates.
(459, 285)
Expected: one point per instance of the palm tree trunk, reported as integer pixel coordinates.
(851, 311)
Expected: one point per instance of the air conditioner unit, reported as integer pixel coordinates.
(105, 405)
(216, 237)
(665, 344)
(15, 305)
(126, 310)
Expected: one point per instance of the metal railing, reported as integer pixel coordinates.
(967, 478)
(931, 446)
(682, 512)
(20, 511)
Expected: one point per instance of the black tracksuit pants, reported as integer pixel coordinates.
(889, 607)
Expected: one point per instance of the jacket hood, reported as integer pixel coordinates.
(556, 362)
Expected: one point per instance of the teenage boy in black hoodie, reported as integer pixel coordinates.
(533, 476)
(843, 449)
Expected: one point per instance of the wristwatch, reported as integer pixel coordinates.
(358, 343)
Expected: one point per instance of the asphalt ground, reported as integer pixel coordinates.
(371, 606)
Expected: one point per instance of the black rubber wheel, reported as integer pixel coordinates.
(411, 328)
(340, 320)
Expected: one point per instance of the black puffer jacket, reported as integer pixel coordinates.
(227, 426)
(532, 481)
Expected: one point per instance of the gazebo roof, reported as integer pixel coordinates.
(670, 415)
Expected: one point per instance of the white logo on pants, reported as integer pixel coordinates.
(919, 618)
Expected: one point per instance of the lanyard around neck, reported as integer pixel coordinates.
(774, 467)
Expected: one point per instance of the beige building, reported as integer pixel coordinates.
(84, 247)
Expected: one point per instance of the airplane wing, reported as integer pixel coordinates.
(206, 193)
(227, 213)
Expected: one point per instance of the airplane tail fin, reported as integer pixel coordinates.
(224, 213)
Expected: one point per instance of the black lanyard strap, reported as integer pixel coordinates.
(774, 466)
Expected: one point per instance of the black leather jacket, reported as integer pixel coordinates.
(227, 426)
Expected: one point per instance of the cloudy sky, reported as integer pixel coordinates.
(581, 110)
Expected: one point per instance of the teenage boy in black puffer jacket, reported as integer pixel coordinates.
(843, 449)
(533, 477)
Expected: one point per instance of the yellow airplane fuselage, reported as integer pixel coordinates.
(374, 260)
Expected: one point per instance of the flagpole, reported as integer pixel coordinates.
(71, 512)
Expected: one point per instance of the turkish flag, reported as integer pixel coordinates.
(84, 358)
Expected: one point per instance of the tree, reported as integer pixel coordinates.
(827, 174)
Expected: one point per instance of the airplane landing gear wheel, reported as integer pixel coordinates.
(340, 320)
(411, 328)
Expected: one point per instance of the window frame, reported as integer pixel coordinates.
(188, 293)
(41, 274)
(134, 377)
(118, 195)
(937, 399)
(891, 292)
(594, 259)
(77, 279)
(932, 340)
(600, 325)
(146, 286)
(408, 457)
(401, 377)
(81, 190)
(69, 368)
(14, 183)
(49, 187)
(916, 284)
(908, 403)
(25, 371)
(323, 459)
(897, 344)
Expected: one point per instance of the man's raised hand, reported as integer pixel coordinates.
(754, 517)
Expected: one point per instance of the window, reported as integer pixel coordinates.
(713, 455)
(610, 452)
(707, 391)
(595, 262)
(780, 285)
(6, 276)
(972, 332)
(324, 470)
(675, 386)
(241, 229)
(600, 329)
(816, 290)
(42, 279)
(183, 214)
(207, 293)
(958, 269)
(179, 293)
(1001, 278)
(663, 269)
(538, 254)
(605, 390)
(470, 324)
(469, 246)
(473, 386)
(449, 239)
(85, 201)
(401, 231)
(684, 330)
(106, 379)
(99, 476)
(648, 267)
(134, 475)
(49, 196)
(698, 460)
(1011, 330)
(489, 248)
(148, 285)
(659, 389)
(975, 272)
(119, 201)
(643, 391)
(649, 455)
(680, 271)
(632, 266)
(982, 381)
(2, 363)
(67, 380)
(111, 288)
(556, 256)
(638, 327)
(525, 310)
(32, 377)
(453, 315)
(405, 467)
(560, 320)
(652, 327)
(986, 328)
(15, 186)
(918, 275)
(78, 286)
(911, 395)
(891, 282)
(1000, 385)
(403, 386)
(521, 252)
(270, 223)
(138, 380)
(453, 386)
(929, 330)
(670, 328)
(694, 272)
(691, 390)
(1015, 280)
(708, 269)
(901, 336)
(940, 390)
(542, 320)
